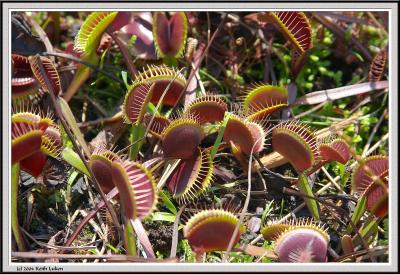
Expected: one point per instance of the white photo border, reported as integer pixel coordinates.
(391, 7)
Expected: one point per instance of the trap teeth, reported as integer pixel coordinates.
(161, 76)
(208, 109)
(192, 177)
(262, 100)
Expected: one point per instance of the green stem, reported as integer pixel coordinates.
(220, 135)
(136, 138)
(14, 209)
(130, 239)
(81, 75)
(305, 188)
(170, 61)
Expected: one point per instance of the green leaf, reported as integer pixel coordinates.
(16, 229)
(132, 40)
(267, 211)
(163, 216)
(137, 133)
(151, 108)
(72, 158)
(305, 188)
(102, 58)
(167, 202)
(116, 251)
(220, 135)
(367, 231)
(124, 75)
(358, 212)
(71, 179)
(130, 239)
(70, 119)
(356, 139)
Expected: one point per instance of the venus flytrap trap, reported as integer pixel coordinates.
(298, 241)
(170, 35)
(262, 100)
(86, 42)
(182, 137)
(365, 183)
(192, 177)
(24, 86)
(211, 230)
(161, 76)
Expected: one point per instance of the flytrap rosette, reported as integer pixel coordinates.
(162, 76)
(170, 34)
(297, 143)
(207, 108)
(262, 100)
(298, 241)
(192, 177)
(364, 181)
(211, 230)
(24, 86)
(295, 27)
(181, 138)
(136, 187)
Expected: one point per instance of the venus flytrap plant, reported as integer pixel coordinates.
(182, 137)
(50, 71)
(24, 86)
(192, 177)
(377, 67)
(298, 241)
(262, 100)
(138, 194)
(297, 143)
(158, 124)
(170, 35)
(207, 108)
(293, 25)
(364, 183)
(35, 136)
(296, 27)
(211, 230)
(161, 76)
(242, 135)
(134, 109)
(86, 43)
